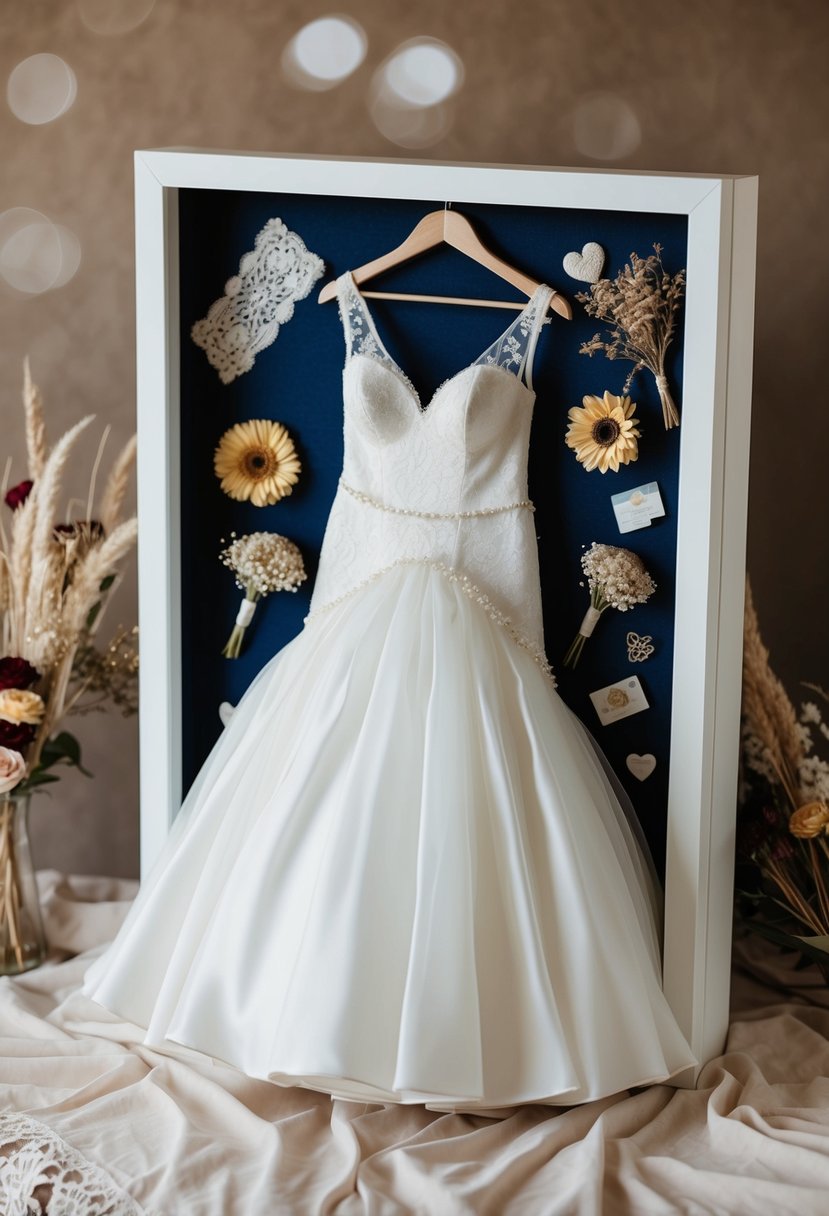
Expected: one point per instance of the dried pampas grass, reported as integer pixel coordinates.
(35, 425)
(773, 741)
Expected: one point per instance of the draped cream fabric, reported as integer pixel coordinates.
(181, 1135)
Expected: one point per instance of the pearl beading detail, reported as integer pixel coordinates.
(466, 585)
(525, 504)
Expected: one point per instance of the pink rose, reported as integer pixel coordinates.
(12, 769)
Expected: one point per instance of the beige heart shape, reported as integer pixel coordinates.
(641, 766)
(587, 265)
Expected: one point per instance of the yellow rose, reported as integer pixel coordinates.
(809, 820)
(19, 706)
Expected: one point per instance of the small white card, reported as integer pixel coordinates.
(636, 508)
(619, 700)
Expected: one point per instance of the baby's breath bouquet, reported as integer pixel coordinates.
(640, 308)
(783, 820)
(617, 579)
(262, 562)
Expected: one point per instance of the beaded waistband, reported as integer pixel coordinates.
(525, 505)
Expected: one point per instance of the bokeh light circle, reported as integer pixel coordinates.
(324, 52)
(409, 99)
(409, 126)
(605, 127)
(114, 17)
(41, 88)
(35, 253)
(423, 72)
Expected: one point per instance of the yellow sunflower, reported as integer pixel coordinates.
(257, 461)
(603, 434)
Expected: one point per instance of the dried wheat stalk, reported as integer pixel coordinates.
(768, 714)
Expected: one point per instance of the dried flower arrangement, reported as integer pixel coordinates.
(783, 819)
(603, 432)
(262, 562)
(55, 581)
(640, 308)
(617, 579)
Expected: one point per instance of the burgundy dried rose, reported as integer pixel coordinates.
(15, 734)
(18, 494)
(780, 849)
(17, 673)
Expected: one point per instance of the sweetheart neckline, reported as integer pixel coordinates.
(421, 410)
(394, 367)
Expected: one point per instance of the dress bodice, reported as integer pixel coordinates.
(443, 481)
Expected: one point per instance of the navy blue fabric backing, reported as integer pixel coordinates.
(297, 381)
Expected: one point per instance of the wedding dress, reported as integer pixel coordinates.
(403, 873)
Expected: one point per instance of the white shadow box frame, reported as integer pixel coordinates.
(713, 488)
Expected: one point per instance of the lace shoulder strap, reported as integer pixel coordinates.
(360, 336)
(514, 350)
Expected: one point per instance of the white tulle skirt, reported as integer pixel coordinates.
(402, 875)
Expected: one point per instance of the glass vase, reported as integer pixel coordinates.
(22, 941)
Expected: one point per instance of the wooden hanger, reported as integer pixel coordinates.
(451, 228)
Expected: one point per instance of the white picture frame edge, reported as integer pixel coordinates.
(712, 509)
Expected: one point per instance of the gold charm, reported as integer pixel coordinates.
(639, 649)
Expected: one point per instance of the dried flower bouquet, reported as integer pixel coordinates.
(55, 580)
(640, 308)
(262, 562)
(617, 579)
(783, 819)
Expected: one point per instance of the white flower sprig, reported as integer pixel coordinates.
(262, 562)
(617, 579)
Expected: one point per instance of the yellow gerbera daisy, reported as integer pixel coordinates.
(603, 433)
(257, 462)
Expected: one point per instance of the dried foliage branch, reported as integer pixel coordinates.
(640, 308)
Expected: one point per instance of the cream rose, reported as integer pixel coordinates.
(19, 706)
(12, 769)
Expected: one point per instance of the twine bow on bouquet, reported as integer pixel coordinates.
(262, 562)
(617, 579)
(640, 308)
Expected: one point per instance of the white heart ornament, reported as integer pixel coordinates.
(587, 265)
(641, 766)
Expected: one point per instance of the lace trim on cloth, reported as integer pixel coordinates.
(360, 335)
(515, 348)
(525, 504)
(42, 1175)
(277, 272)
(466, 585)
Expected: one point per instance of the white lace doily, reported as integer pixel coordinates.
(42, 1175)
(277, 272)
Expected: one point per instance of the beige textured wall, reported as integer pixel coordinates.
(735, 86)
